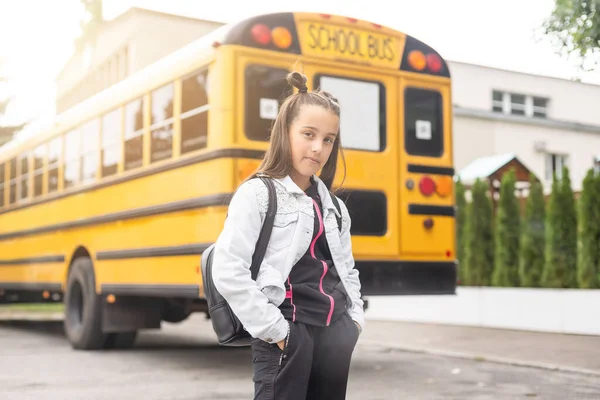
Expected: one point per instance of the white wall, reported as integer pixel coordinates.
(542, 310)
(569, 101)
(474, 138)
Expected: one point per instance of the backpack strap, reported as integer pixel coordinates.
(337, 205)
(265, 232)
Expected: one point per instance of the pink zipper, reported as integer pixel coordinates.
(312, 252)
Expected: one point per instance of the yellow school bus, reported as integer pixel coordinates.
(110, 209)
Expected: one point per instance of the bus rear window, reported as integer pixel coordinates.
(423, 126)
(363, 111)
(372, 223)
(266, 89)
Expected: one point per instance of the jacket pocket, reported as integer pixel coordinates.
(284, 227)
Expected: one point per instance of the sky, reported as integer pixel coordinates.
(36, 36)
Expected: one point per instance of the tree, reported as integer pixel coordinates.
(91, 22)
(461, 215)
(479, 241)
(507, 229)
(574, 26)
(588, 260)
(531, 258)
(560, 269)
(6, 131)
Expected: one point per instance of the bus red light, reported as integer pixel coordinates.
(326, 16)
(261, 34)
(434, 63)
(427, 186)
(353, 20)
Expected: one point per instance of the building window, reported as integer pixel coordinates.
(519, 104)
(554, 165)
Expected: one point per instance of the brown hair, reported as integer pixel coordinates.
(277, 162)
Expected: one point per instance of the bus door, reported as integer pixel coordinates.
(367, 122)
(426, 192)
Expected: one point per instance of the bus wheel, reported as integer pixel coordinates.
(175, 314)
(120, 340)
(83, 307)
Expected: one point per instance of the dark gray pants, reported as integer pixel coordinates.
(314, 365)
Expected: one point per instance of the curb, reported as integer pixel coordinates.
(7, 316)
(480, 357)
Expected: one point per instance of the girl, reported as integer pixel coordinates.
(304, 311)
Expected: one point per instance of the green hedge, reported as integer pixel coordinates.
(553, 243)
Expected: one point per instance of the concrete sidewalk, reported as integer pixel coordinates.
(572, 353)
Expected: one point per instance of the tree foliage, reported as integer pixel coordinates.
(574, 26)
(560, 269)
(533, 237)
(479, 240)
(507, 229)
(588, 260)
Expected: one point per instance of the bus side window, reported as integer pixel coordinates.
(72, 167)
(89, 156)
(161, 126)
(54, 154)
(194, 112)
(134, 138)
(39, 154)
(111, 142)
(12, 198)
(2, 172)
(24, 176)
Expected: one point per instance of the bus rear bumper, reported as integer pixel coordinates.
(393, 278)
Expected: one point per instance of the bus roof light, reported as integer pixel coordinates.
(434, 62)
(427, 186)
(261, 34)
(282, 37)
(417, 60)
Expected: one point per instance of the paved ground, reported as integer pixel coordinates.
(183, 362)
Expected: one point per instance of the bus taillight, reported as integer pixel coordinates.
(444, 185)
(427, 186)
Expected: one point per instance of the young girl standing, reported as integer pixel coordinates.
(304, 310)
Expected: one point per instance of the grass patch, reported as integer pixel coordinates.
(33, 307)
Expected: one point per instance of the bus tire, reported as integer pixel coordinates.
(83, 307)
(175, 314)
(120, 340)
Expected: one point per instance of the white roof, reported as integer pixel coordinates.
(484, 166)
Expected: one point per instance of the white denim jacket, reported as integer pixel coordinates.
(256, 303)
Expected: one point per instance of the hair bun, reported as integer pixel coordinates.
(297, 80)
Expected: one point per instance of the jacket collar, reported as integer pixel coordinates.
(324, 194)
